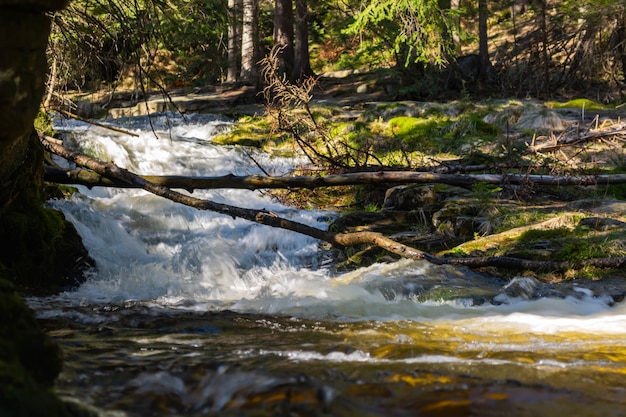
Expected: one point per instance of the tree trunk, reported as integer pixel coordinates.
(234, 39)
(620, 34)
(543, 23)
(23, 67)
(283, 36)
(302, 65)
(249, 41)
(483, 41)
(38, 245)
(455, 5)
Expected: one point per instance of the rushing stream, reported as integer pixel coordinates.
(192, 313)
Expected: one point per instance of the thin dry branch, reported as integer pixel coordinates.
(92, 122)
(575, 137)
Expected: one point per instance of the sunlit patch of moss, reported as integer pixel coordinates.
(405, 126)
(535, 235)
(580, 249)
(324, 112)
(354, 134)
(399, 157)
(468, 130)
(254, 131)
(43, 123)
(568, 244)
(510, 218)
(417, 133)
(516, 241)
(579, 103)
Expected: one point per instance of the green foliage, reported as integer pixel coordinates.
(485, 193)
(567, 244)
(416, 133)
(535, 235)
(368, 55)
(512, 218)
(419, 29)
(96, 41)
(578, 250)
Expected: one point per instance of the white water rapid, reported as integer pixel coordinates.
(150, 249)
(167, 257)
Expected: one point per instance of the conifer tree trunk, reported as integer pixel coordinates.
(39, 248)
(621, 39)
(544, 50)
(234, 39)
(483, 45)
(283, 36)
(302, 65)
(249, 41)
(456, 5)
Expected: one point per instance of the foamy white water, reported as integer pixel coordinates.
(167, 255)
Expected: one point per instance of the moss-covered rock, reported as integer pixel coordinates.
(41, 250)
(30, 361)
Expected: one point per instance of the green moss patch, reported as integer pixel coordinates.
(579, 103)
(416, 132)
(253, 131)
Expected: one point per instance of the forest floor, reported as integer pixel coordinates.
(340, 88)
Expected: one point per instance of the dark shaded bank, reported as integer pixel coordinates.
(30, 361)
(39, 250)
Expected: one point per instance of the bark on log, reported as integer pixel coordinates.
(115, 173)
(255, 182)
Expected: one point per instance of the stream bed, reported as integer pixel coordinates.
(191, 313)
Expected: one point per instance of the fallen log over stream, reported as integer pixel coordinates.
(126, 178)
(255, 182)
